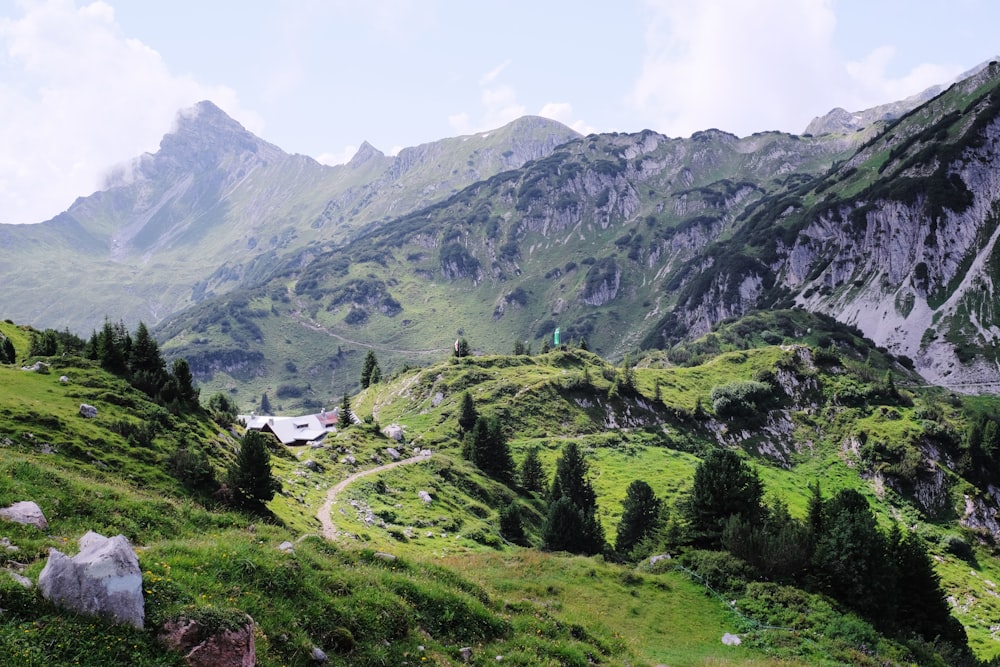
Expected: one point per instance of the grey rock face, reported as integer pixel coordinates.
(25, 512)
(104, 579)
(87, 411)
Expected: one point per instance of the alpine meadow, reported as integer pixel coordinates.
(520, 397)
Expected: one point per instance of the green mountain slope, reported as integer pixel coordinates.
(830, 414)
(641, 241)
(216, 207)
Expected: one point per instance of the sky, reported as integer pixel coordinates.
(86, 85)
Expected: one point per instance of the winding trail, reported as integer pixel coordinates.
(330, 530)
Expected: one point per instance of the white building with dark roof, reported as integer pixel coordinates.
(293, 431)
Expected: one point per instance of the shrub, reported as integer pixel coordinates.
(741, 400)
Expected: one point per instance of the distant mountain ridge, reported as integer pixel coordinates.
(216, 207)
(260, 261)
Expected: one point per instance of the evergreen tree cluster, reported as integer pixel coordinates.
(839, 550)
(52, 343)
(138, 359)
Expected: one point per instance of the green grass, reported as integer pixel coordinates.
(455, 582)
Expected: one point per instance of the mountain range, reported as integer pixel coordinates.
(271, 272)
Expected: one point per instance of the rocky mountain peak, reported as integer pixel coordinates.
(365, 154)
(205, 134)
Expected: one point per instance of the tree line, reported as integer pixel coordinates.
(136, 358)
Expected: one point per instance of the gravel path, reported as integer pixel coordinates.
(330, 530)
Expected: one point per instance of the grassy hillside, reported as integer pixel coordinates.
(455, 581)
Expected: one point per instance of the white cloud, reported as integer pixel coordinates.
(499, 105)
(738, 66)
(745, 67)
(870, 76)
(81, 97)
(563, 112)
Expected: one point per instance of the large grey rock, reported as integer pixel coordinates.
(731, 639)
(87, 411)
(393, 453)
(104, 579)
(204, 648)
(25, 512)
(394, 431)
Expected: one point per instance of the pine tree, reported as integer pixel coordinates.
(467, 414)
(511, 526)
(851, 561)
(147, 369)
(370, 371)
(7, 353)
(112, 350)
(532, 473)
(183, 383)
(265, 404)
(640, 514)
(724, 485)
(571, 479)
(991, 439)
(250, 476)
(489, 450)
(344, 415)
(461, 348)
(922, 605)
(567, 528)
(571, 524)
(222, 409)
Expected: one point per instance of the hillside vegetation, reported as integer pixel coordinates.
(423, 559)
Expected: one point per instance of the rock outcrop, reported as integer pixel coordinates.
(203, 645)
(103, 580)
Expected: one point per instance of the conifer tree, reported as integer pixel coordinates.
(265, 404)
(467, 413)
(571, 524)
(640, 515)
(511, 526)
(250, 477)
(462, 348)
(344, 416)
(532, 473)
(922, 605)
(489, 450)
(7, 353)
(147, 369)
(370, 371)
(183, 384)
(112, 350)
(851, 561)
(724, 485)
